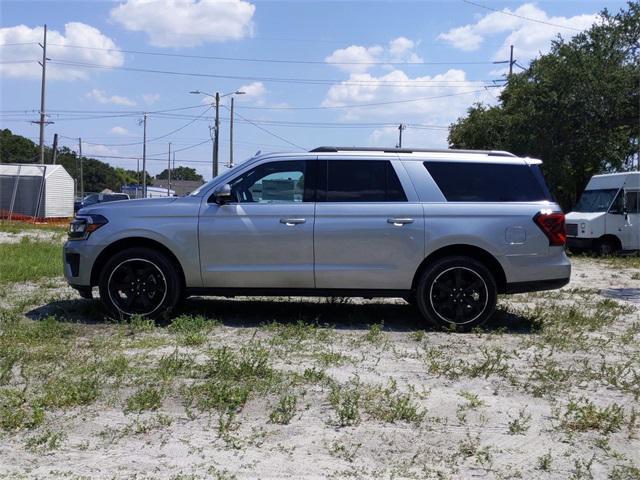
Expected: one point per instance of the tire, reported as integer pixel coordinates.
(606, 247)
(457, 293)
(140, 281)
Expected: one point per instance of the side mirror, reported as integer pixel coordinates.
(222, 194)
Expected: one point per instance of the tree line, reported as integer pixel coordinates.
(98, 175)
(577, 108)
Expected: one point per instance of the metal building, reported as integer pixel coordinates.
(35, 191)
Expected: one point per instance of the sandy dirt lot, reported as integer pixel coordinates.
(308, 388)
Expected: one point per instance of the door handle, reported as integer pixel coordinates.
(290, 222)
(398, 222)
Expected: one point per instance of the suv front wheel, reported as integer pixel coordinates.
(139, 281)
(457, 292)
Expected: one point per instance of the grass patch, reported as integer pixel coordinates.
(284, 410)
(29, 260)
(345, 400)
(582, 415)
(230, 378)
(147, 398)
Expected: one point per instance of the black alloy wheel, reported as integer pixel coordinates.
(457, 292)
(140, 281)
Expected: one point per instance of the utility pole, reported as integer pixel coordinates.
(216, 139)
(42, 122)
(401, 127)
(511, 61)
(81, 172)
(54, 153)
(144, 157)
(169, 172)
(231, 137)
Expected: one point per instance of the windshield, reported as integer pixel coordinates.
(596, 200)
(93, 198)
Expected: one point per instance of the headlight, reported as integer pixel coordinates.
(583, 226)
(81, 227)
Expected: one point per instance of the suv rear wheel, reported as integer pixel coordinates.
(457, 292)
(139, 281)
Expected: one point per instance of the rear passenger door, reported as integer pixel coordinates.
(369, 227)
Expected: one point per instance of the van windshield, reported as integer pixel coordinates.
(596, 200)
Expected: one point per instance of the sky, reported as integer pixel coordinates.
(312, 72)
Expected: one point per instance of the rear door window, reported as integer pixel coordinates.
(362, 181)
(488, 182)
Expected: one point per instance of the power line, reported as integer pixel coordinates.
(269, 132)
(529, 19)
(304, 81)
(265, 60)
(193, 119)
(248, 107)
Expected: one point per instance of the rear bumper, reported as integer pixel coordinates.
(537, 285)
(583, 243)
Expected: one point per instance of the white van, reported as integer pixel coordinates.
(607, 217)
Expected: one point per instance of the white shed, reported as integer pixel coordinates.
(25, 188)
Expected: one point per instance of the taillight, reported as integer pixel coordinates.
(552, 225)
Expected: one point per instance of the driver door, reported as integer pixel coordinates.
(262, 237)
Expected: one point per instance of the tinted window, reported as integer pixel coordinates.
(362, 181)
(487, 182)
(273, 182)
(114, 198)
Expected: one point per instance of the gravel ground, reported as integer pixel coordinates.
(511, 401)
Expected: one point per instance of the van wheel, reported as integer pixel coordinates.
(606, 247)
(139, 281)
(457, 293)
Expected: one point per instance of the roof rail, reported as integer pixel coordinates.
(326, 149)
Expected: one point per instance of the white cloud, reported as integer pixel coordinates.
(431, 101)
(150, 98)
(186, 23)
(75, 33)
(397, 50)
(355, 54)
(253, 92)
(101, 96)
(117, 130)
(529, 37)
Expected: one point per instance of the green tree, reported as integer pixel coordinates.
(16, 149)
(181, 173)
(577, 107)
(97, 175)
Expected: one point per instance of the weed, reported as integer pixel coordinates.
(44, 442)
(230, 378)
(140, 324)
(77, 386)
(285, 410)
(544, 462)
(374, 335)
(387, 405)
(418, 335)
(520, 425)
(582, 469)
(345, 400)
(17, 413)
(147, 398)
(582, 415)
(343, 451)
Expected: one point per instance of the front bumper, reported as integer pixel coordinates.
(77, 259)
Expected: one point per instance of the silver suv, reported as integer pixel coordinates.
(445, 230)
